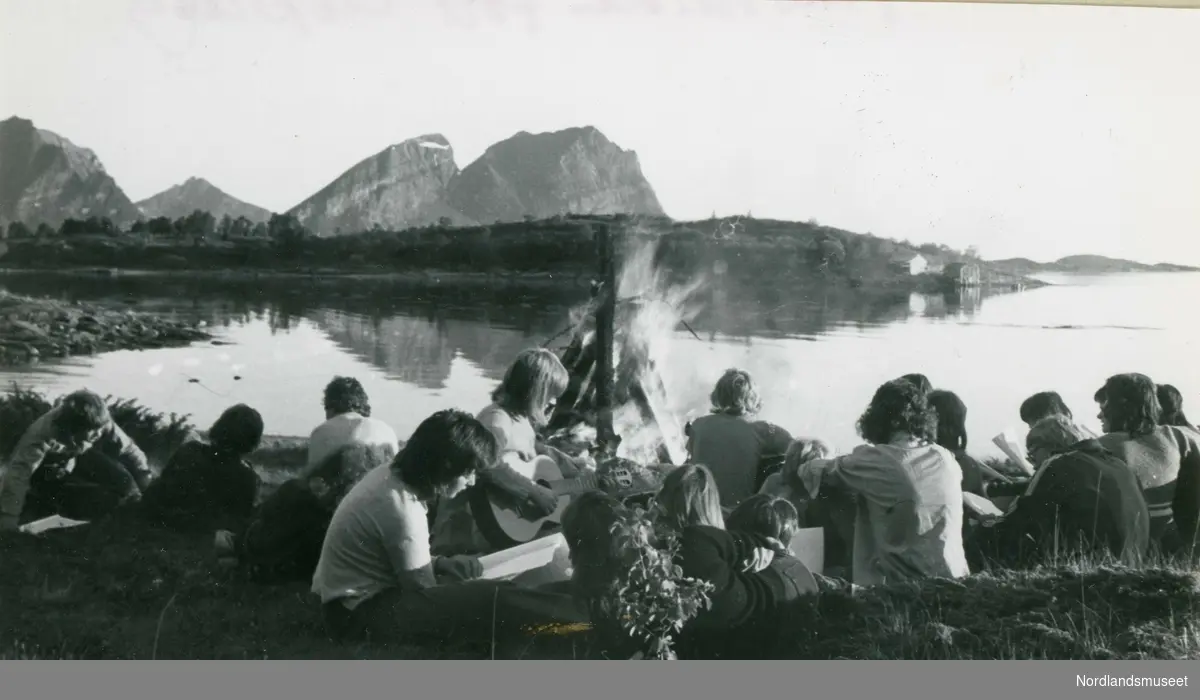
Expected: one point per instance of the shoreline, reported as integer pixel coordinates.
(32, 328)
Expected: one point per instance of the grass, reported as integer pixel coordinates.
(120, 590)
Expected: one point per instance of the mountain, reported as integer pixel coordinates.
(403, 186)
(197, 193)
(575, 170)
(1084, 264)
(44, 178)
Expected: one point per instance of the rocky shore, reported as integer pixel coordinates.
(33, 329)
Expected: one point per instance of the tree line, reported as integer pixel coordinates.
(557, 244)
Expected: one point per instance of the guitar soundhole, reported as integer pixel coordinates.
(543, 483)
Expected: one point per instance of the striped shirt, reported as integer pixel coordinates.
(1166, 463)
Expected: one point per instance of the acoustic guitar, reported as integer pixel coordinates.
(503, 526)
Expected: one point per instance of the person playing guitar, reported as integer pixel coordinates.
(521, 404)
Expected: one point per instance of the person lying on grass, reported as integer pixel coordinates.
(731, 443)
(283, 541)
(207, 484)
(1164, 458)
(1082, 501)
(377, 579)
(909, 522)
(73, 461)
(688, 507)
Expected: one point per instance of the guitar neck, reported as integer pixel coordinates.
(568, 487)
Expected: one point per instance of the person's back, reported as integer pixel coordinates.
(201, 488)
(1161, 461)
(347, 429)
(909, 522)
(1085, 501)
(355, 561)
(733, 448)
(283, 541)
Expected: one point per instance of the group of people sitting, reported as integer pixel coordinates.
(389, 541)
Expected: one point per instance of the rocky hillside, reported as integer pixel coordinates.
(402, 186)
(575, 170)
(198, 193)
(44, 178)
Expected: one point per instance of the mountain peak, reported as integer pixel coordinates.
(47, 179)
(576, 170)
(198, 193)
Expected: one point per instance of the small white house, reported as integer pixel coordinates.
(912, 261)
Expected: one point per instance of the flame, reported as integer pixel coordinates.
(650, 309)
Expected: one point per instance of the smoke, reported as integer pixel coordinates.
(650, 310)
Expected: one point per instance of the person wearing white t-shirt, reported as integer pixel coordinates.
(376, 576)
(348, 422)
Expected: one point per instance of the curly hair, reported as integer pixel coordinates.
(736, 394)
(1129, 403)
(1043, 405)
(920, 381)
(1171, 402)
(898, 406)
(81, 412)
(343, 469)
(951, 419)
(346, 395)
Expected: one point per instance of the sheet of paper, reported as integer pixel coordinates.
(508, 563)
(809, 547)
(1007, 442)
(981, 505)
(54, 522)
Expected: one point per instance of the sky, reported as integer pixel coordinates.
(1026, 131)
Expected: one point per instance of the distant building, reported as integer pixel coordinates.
(962, 274)
(914, 263)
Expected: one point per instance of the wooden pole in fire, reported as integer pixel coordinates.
(605, 318)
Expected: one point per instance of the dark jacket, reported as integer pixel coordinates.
(283, 541)
(744, 618)
(1084, 500)
(201, 489)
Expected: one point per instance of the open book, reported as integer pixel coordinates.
(1010, 446)
(54, 522)
(511, 562)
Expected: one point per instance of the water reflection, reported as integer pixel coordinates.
(413, 332)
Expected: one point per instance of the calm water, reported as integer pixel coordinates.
(818, 357)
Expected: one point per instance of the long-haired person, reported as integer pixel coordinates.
(910, 515)
(730, 442)
(74, 461)
(952, 434)
(1082, 501)
(208, 484)
(745, 605)
(1164, 458)
(1171, 402)
(521, 405)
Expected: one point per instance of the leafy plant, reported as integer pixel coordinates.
(652, 599)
